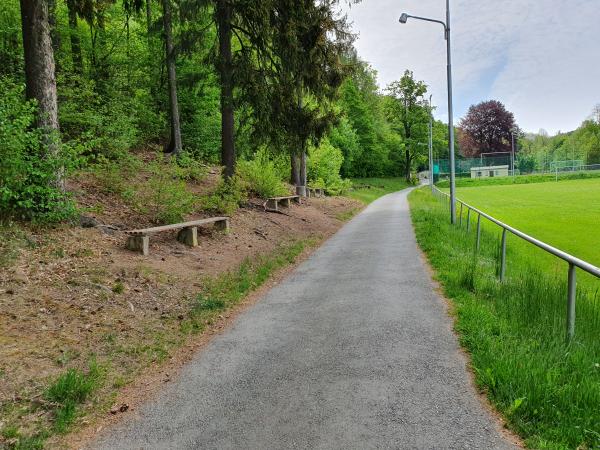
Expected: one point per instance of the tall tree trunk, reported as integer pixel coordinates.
(148, 18)
(74, 37)
(407, 163)
(39, 72)
(54, 34)
(295, 170)
(301, 180)
(175, 144)
(226, 72)
(102, 73)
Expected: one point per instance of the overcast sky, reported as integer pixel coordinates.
(541, 58)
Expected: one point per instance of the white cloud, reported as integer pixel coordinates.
(539, 57)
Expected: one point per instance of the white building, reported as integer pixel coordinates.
(489, 171)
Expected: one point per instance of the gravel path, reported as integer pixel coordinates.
(353, 351)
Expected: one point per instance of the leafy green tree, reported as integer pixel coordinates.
(408, 112)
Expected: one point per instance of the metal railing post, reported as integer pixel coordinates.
(571, 302)
(503, 260)
(468, 219)
(461, 210)
(478, 231)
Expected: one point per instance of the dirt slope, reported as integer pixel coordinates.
(73, 293)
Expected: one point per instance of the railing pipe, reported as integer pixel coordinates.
(478, 231)
(571, 302)
(503, 256)
(468, 219)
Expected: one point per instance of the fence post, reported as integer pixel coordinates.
(478, 230)
(571, 302)
(468, 219)
(503, 260)
(460, 221)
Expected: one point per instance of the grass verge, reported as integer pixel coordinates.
(548, 389)
(79, 395)
(368, 190)
(227, 290)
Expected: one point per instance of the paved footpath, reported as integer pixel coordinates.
(354, 350)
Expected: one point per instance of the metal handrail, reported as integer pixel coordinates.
(570, 259)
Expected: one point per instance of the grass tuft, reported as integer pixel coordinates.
(70, 390)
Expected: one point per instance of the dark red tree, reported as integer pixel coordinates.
(486, 129)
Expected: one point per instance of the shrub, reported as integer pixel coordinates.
(107, 124)
(323, 168)
(164, 197)
(261, 176)
(190, 168)
(29, 187)
(229, 195)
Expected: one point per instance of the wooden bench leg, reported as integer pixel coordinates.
(272, 205)
(139, 244)
(188, 236)
(298, 200)
(222, 225)
(286, 202)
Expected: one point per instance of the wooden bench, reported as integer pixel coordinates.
(315, 192)
(272, 204)
(139, 240)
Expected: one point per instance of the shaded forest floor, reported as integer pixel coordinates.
(73, 297)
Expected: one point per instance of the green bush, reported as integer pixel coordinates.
(29, 174)
(106, 125)
(261, 176)
(229, 195)
(164, 197)
(323, 168)
(162, 194)
(190, 168)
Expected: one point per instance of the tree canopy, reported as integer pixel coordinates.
(486, 128)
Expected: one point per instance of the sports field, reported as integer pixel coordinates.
(565, 214)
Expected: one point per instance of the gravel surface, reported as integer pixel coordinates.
(353, 351)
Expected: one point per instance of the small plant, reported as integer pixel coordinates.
(70, 390)
(190, 169)
(164, 197)
(228, 197)
(209, 304)
(118, 288)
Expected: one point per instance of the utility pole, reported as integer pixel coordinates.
(430, 144)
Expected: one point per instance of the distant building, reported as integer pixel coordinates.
(489, 171)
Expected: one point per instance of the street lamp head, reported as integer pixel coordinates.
(404, 18)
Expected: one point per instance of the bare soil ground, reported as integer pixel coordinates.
(75, 293)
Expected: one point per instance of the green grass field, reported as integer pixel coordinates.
(548, 389)
(564, 214)
(368, 190)
(521, 179)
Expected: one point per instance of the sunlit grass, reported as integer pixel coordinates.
(564, 214)
(368, 190)
(548, 389)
